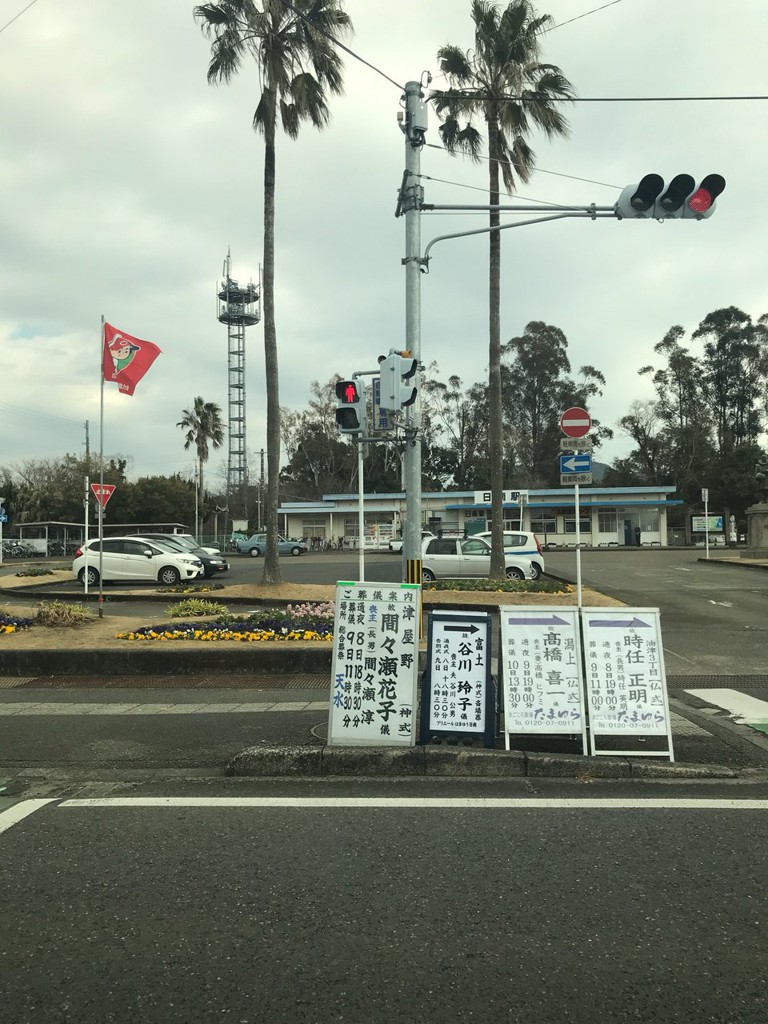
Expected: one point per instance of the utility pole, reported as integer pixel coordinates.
(413, 121)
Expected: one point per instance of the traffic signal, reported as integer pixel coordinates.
(681, 198)
(397, 391)
(350, 411)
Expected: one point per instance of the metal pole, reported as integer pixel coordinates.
(705, 495)
(85, 534)
(101, 475)
(578, 547)
(414, 127)
(360, 514)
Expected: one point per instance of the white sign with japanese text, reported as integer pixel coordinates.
(540, 662)
(458, 668)
(375, 664)
(626, 684)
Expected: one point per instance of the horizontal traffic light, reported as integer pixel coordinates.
(350, 410)
(681, 198)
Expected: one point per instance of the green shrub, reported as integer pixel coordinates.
(59, 613)
(36, 570)
(191, 588)
(540, 586)
(195, 606)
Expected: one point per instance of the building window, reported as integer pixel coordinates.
(607, 522)
(314, 528)
(544, 525)
(584, 525)
(649, 520)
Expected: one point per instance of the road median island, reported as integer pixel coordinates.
(462, 762)
(93, 648)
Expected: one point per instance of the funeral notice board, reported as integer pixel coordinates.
(457, 695)
(375, 664)
(625, 678)
(541, 667)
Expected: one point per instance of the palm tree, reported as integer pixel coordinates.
(502, 82)
(204, 426)
(294, 48)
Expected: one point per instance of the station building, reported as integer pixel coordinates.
(608, 516)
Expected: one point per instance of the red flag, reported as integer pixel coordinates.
(125, 359)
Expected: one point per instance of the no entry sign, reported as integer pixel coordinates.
(575, 422)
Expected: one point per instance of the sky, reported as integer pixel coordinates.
(125, 179)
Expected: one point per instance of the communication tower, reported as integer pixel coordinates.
(238, 308)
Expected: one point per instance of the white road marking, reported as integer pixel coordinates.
(680, 656)
(512, 803)
(744, 708)
(20, 709)
(19, 812)
(722, 604)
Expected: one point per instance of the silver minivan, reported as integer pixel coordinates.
(456, 557)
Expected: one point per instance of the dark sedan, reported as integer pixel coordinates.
(213, 565)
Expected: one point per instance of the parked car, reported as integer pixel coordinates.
(517, 542)
(213, 565)
(211, 549)
(131, 558)
(396, 543)
(256, 545)
(456, 557)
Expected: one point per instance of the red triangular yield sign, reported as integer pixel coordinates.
(102, 493)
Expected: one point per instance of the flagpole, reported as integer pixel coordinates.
(101, 471)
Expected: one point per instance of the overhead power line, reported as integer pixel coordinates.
(533, 96)
(578, 16)
(539, 170)
(17, 16)
(342, 46)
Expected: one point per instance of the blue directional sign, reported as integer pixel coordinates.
(581, 463)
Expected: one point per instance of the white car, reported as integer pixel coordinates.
(456, 557)
(185, 539)
(131, 558)
(517, 542)
(396, 543)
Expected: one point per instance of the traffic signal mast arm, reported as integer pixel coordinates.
(647, 199)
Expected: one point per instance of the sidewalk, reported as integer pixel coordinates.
(84, 680)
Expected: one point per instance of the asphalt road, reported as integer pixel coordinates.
(306, 912)
(714, 618)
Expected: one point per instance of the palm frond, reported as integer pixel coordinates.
(457, 139)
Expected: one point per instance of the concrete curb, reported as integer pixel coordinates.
(271, 762)
(732, 561)
(157, 660)
(740, 737)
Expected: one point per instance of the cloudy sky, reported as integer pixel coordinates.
(125, 178)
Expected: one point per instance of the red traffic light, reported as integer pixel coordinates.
(707, 192)
(347, 392)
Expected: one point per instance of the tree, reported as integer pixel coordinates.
(294, 48)
(204, 427)
(537, 388)
(319, 461)
(502, 82)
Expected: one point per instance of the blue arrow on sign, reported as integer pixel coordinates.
(576, 463)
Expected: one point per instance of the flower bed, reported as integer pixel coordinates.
(13, 623)
(302, 622)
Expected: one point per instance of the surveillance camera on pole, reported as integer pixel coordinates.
(682, 198)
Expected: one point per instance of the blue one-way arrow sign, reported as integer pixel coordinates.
(576, 463)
